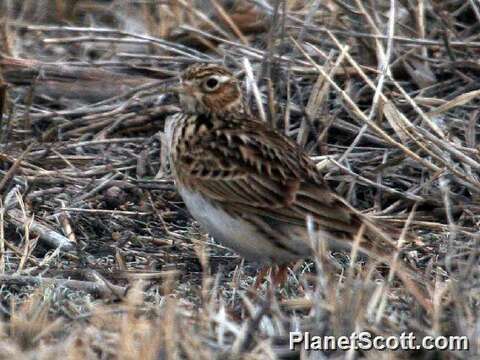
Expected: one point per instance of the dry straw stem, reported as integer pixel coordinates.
(363, 117)
(2, 238)
(3, 97)
(405, 195)
(94, 288)
(252, 82)
(400, 39)
(384, 64)
(13, 169)
(228, 20)
(397, 268)
(163, 44)
(382, 57)
(317, 97)
(369, 82)
(49, 236)
(458, 101)
(399, 121)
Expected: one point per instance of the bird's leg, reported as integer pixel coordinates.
(262, 274)
(280, 275)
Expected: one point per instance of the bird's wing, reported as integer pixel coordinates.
(251, 168)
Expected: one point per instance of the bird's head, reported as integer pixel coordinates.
(209, 88)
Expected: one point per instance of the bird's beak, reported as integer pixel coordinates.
(172, 89)
(178, 89)
(170, 86)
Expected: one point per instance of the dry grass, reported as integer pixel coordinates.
(100, 260)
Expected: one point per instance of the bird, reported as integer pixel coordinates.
(251, 187)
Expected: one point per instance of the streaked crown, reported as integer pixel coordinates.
(210, 88)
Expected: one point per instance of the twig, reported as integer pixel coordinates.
(94, 288)
(14, 168)
(364, 118)
(405, 195)
(50, 237)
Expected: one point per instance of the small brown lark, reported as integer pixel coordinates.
(251, 187)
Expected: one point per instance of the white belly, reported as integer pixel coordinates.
(234, 233)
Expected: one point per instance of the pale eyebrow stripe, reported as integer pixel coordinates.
(222, 78)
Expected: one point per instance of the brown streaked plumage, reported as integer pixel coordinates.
(250, 186)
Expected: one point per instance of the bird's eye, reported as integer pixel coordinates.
(211, 84)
